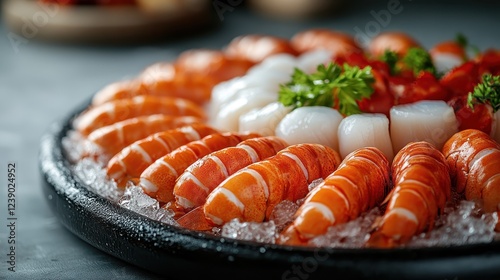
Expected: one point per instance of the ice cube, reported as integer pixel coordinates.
(94, 177)
(260, 232)
(283, 214)
(352, 234)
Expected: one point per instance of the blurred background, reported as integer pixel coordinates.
(54, 58)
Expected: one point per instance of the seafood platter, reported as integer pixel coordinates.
(309, 156)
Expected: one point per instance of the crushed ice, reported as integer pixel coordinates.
(136, 200)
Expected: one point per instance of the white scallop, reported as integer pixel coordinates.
(365, 130)
(309, 61)
(315, 124)
(282, 63)
(264, 120)
(225, 92)
(227, 118)
(431, 121)
(446, 62)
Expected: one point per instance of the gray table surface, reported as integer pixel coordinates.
(43, 82)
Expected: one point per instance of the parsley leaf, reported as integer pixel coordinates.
(329, 86)
(419, 60)
(487, 92)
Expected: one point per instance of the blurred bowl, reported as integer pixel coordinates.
(150, 21)
(295, 9)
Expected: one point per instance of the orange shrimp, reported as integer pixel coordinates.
(422, 185)
(397, 42)
(192, 76)
(118, 90)
(113, 138)
(159, 178)
(199, 179)
(211, 63)
(337, 42)
(252, 193)
(256, 48)
(119, 110)
(130, 162)
(474, 162)
(359, 184)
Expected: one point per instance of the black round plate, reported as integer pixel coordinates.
(169, 250)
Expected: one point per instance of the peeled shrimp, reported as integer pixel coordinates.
(252, 193)
(422, 186)
(113, 138)
(256, 48)
(130, 162)
(474, 162)
(158, 180)
(359, 184)
(365, 130)
(315, 124)
(199, 179)
(119, 110)
(337, 43)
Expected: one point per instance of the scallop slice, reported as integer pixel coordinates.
(431, 121)
(226, 92)
(365, 130)
(281, 63)
(265, 119)
(315, 124)
(227, 118)
(309, 61)
(446, 62)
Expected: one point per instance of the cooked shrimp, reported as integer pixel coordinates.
(199, 179)
(397, 42)
(192, 76)
(252, 193)
(359, 184)
(422, 186)
(256, 48)
(119, 110)
(474, 162)
(158, 180)
(337, 43)
(118, 90)
(130, 162)
(113, 138)
(213, 64)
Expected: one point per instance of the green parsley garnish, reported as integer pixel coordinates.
(487, 92)
(419, 60)
(391, 58)
(329, 86)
